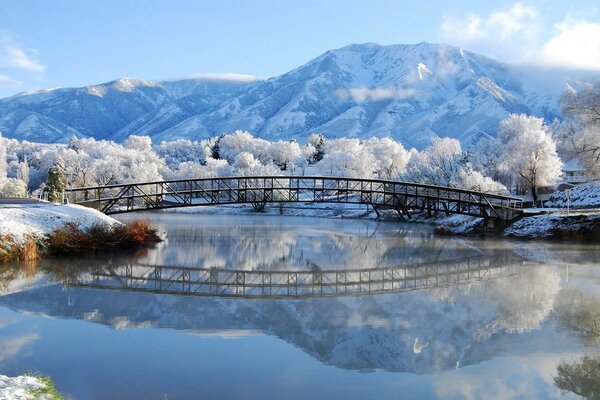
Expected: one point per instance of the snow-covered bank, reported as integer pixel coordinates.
(31, 230)
(585, 195)
(579, 227)
(26, 387)
(20, 221)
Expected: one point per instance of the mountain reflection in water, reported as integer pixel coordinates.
(420, 304)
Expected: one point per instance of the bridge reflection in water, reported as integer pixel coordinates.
(223, 282)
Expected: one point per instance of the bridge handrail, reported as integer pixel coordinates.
(381, 181)
(505, 259)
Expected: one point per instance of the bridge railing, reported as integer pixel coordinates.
(225, 282)
(256, 189)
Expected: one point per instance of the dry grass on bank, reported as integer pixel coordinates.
(71, 239)
(11, 250)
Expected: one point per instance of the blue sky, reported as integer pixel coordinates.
(59, 43)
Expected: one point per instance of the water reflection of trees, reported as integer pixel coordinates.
(276, 246)
(579, 312)
(581, 377)
(421, 331)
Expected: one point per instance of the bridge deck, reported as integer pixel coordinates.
(400, 196)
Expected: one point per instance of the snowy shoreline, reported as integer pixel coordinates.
(37, 220)
(27, 387)
(579, 225)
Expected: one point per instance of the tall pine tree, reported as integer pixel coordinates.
(57, 181)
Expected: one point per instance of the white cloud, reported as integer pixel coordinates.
(228, 76)
(514, 35)
(362, 94)
(575, 45)
(16, 58)
(6, 80)
(500, 33)
(13, 56)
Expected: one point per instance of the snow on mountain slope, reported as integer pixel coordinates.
(409, 92)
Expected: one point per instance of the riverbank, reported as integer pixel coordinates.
(579, 226)
(28, 387)
(36, 229)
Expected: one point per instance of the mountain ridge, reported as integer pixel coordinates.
(408, 92)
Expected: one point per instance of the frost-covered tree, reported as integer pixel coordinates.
(318, 143)
(78, 166)
(469, 179)
(353, 164)
(245, 160)
(215, 147)
(437, 164)
(580, 134)
(13, 188)
(528, 152)
(284, 153)
(178, 151)
(139, 143)
(57, 181)
(2, 158)
(391, 157)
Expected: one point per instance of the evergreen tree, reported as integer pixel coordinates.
(318, 141)
(214, 150)
(57, 181)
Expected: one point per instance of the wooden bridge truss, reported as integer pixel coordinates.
(381, 194)
(223, 282)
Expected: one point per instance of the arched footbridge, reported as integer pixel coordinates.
(403, 197)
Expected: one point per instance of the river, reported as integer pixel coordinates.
(270, 307)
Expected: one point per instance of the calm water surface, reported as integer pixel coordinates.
(430, 317)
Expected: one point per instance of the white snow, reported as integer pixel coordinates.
(22, 220)
(460, 223)
(423, 71)
(540, 226)
(18, 388)
(584, 195)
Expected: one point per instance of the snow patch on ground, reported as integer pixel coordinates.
(536, 226)
(460, 223)
(585, 195)
(545, 225)
(22, 220)
(19, 387)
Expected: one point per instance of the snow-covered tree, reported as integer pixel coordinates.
(245, 160)
(57, 181)
(13, 188)
(284, 153)
(233, 144)
(2, 158)
(528, 152)
(580, 133)
(467, 178)
(318, 143)
(139, 143)
(178, 151)
(354, 164)
(391, 157)
(437, 164)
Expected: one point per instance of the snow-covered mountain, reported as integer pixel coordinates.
(409, 92)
